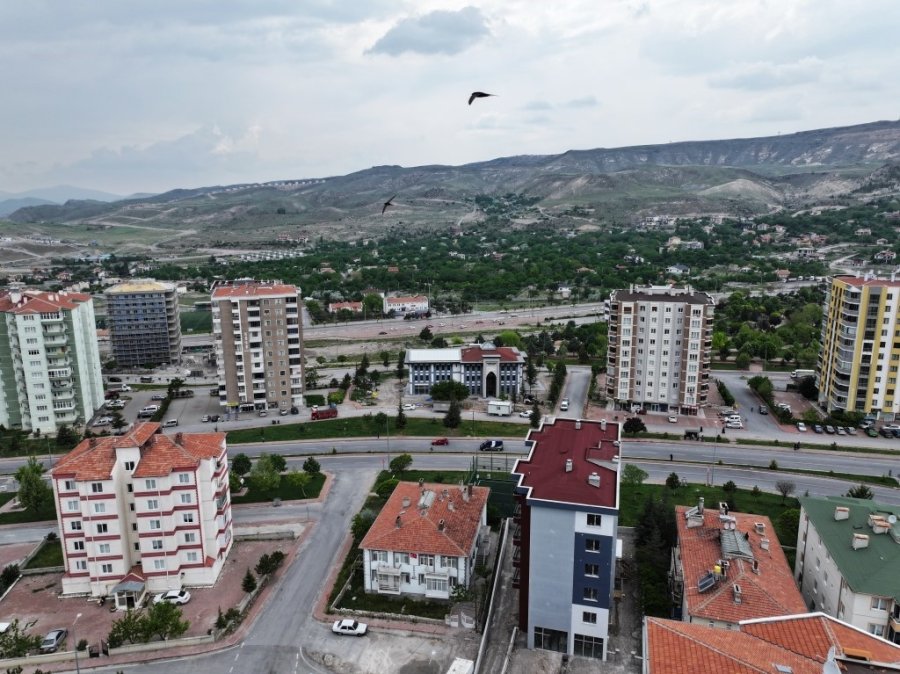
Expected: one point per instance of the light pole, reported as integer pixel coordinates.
(75, 639)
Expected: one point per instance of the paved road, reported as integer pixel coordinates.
(578, 381)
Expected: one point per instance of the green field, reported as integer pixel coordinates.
(196, 321)
(285, 492)
(49, 556)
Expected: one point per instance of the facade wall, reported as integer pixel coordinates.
(487, 378)
(144, 325)
(391, 572)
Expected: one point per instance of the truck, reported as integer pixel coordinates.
(500, 408)
(440, 406)
(324, 413)
(800, 374)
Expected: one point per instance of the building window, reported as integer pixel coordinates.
(190, 537)
(106, 568)
(435, 584)
(188, 518)
(184, 478)
(589, 617)
(192, 556)
(75, 526)
(78, 545)
(129, 465)
(156, 544)
(102, 528)
(880, 603)
(426, 560)
(186, 498)
(588, 647)
(876, 629)
(72, 505)
(152, 504)
(593, 520)
(379, 555)
(150, 484)
(155, 525)
(592, 544)
(551, 640)
(70, 485)
(99, 507)
(130, 487)
(592, 570)
(96, 487)
(104, 548)
(81, 565)
(159, 564)
(591, 594)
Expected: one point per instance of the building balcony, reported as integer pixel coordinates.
(517, 558)
(895, 624)
(516, 580)
(61, 373)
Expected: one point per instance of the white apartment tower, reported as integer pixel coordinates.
(150, 508)
(660, 343)
(49, 360)
(259, 345)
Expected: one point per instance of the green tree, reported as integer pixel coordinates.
(742, 362)
(400, 464)
(298, 481)
(118, 421)
(426, 335)
(34, 493)
(15, 642)
(453, 417)
(127, 629)
(312, 466)
(241, 464)
(165, 621)
(400, 419)
(385, 358)
(861, 491)
(673, 482)
(361, 523)
(449, 390)
(633, 426)
(311, 378)
(787, 525)
(381, 423)
(535, 418)
(66, 437)
(264, 478)
(249, 582)
(785, 488)
(633, 477)
(278, 462)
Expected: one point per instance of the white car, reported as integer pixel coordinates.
(102, 421)
(673, 419)
(525, 415)
(409, 406)
(173, 597)
(351, 627)
(801, 427)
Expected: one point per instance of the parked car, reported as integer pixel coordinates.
(204, 418)
(564, 405)
(850, 430)
(491, 446)
(830, 430)
(146, 379)
(350, 627)
(801, 427)
(169, 423)
(763, 409)
(871, 432)
(440, 441)
(53, 640)
(886, 432)
(283, 413)
(262, 413)
(102, 421)
(840, 430)
(525, 414)
(817, 428)
(115, 379)
(181, 596)
(214, 417)
(673, 419)
(409, 406)
(158, 396)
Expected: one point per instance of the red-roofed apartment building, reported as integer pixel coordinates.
(728, 567)
(416, 304)
(425, 540)
(49, 360)
(566, 526)
(486, 370)
(259, 345)
(811, 643)
(156, 506)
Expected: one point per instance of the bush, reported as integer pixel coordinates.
(311, 466)
(249, 582)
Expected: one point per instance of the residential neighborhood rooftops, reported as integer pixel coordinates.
(37, 302)
(792, 644)
(240, 290)
(755, 563)
(870, 569)
(572, 461)
(437, 519)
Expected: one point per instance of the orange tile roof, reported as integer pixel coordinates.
(801, 642)
(36, 302)
(419, 529)
(771, 592)
(165, 454)
(252, 290)
(94, 458)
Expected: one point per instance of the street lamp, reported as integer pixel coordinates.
(75, 639)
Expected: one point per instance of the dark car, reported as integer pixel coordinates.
(440, 441)
(763, 409)
(818, 428)
(295, 410)
(115, 379)
(214, 418)
(53, 640)
(886, 433)
(491, 446)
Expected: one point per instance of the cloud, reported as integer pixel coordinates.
(538, 105)
(440, 32)
(765, 75)
(584, 102)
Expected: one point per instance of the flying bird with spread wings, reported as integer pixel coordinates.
(387, 203)
(478, 94)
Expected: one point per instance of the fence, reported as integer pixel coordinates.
(168, 643)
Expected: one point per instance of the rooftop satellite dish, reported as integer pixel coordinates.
(892, 519)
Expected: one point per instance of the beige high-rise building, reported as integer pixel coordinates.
(144, 323)
(259, 345)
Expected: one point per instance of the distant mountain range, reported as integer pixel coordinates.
(738, 176)
(12, 201)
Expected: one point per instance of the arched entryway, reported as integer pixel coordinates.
(490, 385)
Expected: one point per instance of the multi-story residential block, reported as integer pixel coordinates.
(416, 304)
(860, 354)
(49, 361)
(848, 556)
(144, 322)
(728, 567)
(259, 345)
(660, 344)
(810, 643)
(425, 541)
(486, 370)
(565, 531)
(150, 507)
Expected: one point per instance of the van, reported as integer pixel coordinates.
(168, 423)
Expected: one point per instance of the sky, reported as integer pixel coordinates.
(146, 96)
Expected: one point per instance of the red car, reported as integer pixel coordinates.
(440, 441)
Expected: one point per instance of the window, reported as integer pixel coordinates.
(104, 548)
(184, 478)
(152, 504)
(186, 498)
(592, 544)
(591, 594)
(81, 565)
(99, 507)
(130, 487)
(72, 505)
(880, 603)
(70, 485)
(379, 555)
(426, 560)
(155, 525)
(150, 484)
(188, 518)
(593, 520)
(592, 570)
(159, 564)
(589, 617)
(435, 584)
(192, 556)
(96, 487)
(156, 544)
(551, 640)
(102, 528)
(876, 629)
(129, 465)
(190, 537)
(106, 568)
(78, 545)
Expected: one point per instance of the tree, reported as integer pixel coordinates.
(785, 488)
(381, 423)
(400, 464)
(860, 491)
(449, 390)
(632, 476)
(673, 482)
(298, 481)
(385, 358)
(66, 437)
(535, 418)
(249, 582)
(742, 362)
(264, 478)
(278, 462)
(530, 373)
(361, 523)
(633, 426)
(34, 493)
(311, 377)
(15, 642)
(400, 419)
(426, 335)
(129, 628)
(118, 421)
(312, 466)
(786, 526)
(729, 487)
(400, 358)
(453, 417)
(241, 464)
(165, 621)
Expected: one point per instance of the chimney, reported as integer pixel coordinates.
(602, 425)
(465, 495)
(841, 513)
(737, 593)
(178, 437)
(398, 522)
(700, 503)
(764, 543)
(594, 480)
(440, 525)
(93, 442)
(15, 297)
(859, 541)
(569, 465)
(755, 566)
(578, 424)
(760, 528)
(450, 506)
(406, 501)
(421, 481)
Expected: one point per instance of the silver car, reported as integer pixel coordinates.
(53, 640)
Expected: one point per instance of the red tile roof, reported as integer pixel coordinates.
(36, 302)
(801, 642)
(771, 592)
(419, 529)
(591, 449)
(475, 354)
(406, 300)
(860, 281)
(252, 290)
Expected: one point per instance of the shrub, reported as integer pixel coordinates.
(249, 582)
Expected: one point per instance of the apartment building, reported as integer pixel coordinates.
(144, 322)
(565, 535)
(425, 541)
(660, 343)
(860, 354)
(728, 567)
(259, 345)
(153, 508)
(848, 556)
(415, 304)
(486, 370)
(49, 360)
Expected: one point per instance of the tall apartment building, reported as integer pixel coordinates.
(860, 354)
(565, 531)
(660, 344)
(259, 345)
(149, 509)
(49, 361)
(144, 322)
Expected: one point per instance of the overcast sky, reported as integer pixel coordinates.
(148, 96)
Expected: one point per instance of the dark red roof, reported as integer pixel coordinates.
(592, 450)
(476, 354)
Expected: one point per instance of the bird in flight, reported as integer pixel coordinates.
(388, 203)
(478, 94)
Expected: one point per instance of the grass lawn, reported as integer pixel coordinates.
(25, 516)
(196, 321)
(770, 505)
(49, 555)
(285, 492)
(357, 427)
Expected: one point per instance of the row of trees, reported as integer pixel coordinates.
(161, 620)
